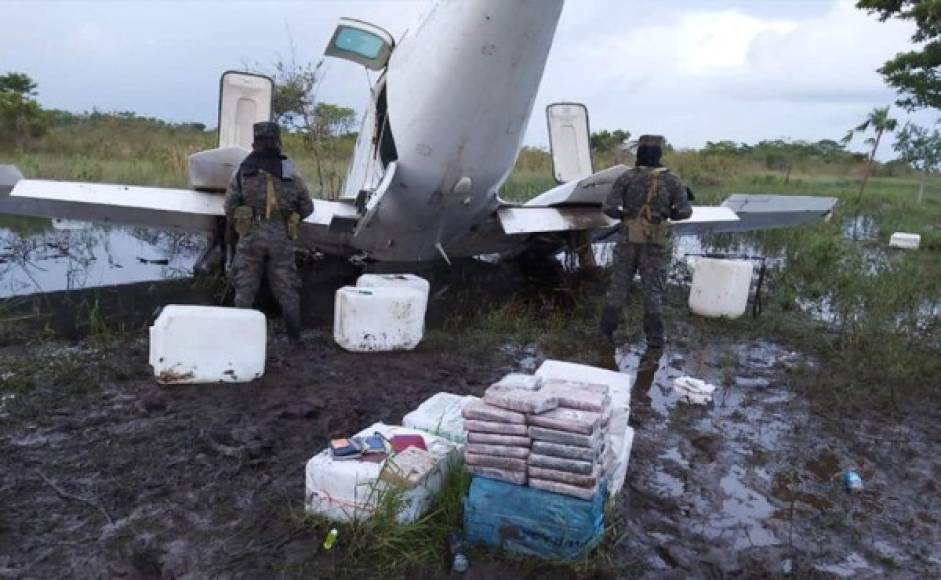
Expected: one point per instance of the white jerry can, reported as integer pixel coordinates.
(400, 280)
(905, 241)
(720, 287)
(207, 344)
(378, 319)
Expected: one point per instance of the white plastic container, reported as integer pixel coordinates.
(378, 319)
(619, 385)
(616, 464)
(905, 241)
(720, 287)
(440, 415)
(397, 280)
(350, 490)
(207, 344)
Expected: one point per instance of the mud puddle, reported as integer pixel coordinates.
(38, 256)
(751, 484)
(105, 474)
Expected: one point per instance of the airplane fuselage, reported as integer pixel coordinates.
(459, 91)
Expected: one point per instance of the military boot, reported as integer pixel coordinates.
(292, 321)
(653, 331)
(609, 322)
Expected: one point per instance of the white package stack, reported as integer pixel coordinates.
(349, 490)
(441, 415)
(207, 344)
(619, 389)
(378, 319)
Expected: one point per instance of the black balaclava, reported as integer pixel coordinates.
(266, 151)
(649, 156)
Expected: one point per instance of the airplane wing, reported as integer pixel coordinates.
(576, 207)
(165, 208)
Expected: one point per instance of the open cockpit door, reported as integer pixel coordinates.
(569, 140)
(361, 42)
(244, 99)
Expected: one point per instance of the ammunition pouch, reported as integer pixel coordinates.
(641, 231)
(294, 221)
(244, 219)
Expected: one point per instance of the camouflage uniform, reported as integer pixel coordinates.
(267, 248)
(632, 193)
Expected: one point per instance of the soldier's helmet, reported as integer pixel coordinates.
(651, 141)
(266, 130)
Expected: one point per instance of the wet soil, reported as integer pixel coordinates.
(103, 473)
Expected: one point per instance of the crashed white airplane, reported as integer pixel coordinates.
(446, 120)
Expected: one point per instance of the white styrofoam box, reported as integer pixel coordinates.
(351, 490)
(720, 287)
(619, 385)
(440, 415)
(616, 464)
(207, 344)
(378, 319)
(905, 241)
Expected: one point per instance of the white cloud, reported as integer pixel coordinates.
(695, 70)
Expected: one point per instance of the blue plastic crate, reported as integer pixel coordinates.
(531, 521)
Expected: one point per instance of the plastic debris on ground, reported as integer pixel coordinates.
(532, 522)
(693, 391)
(351, 490)
(441, 415)
(905, 241)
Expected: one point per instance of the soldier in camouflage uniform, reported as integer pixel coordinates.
(264, 204)
(644, 198)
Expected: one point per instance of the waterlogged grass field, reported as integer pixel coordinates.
(868, 314)
(868, 309)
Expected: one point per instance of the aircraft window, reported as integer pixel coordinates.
(359, 42)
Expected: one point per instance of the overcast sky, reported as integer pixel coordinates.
(694, 70)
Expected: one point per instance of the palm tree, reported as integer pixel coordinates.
(880, 121)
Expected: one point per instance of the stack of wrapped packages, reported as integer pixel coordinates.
(550, 436)
(498, 440)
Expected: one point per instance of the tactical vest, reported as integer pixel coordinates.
(641, 229)
(245, 216)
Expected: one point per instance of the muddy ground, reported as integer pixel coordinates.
(105, 474)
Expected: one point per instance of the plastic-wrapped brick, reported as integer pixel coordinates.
(510, 463)
(563, 488)
(494, 439)
(562, 464)
(520, 400)
(568, 451)
(565, 437)
(572, 420)
(481, 411)
(500, 450)
(514, 477)
(588, 481)
(494, 427)
(582, 396)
